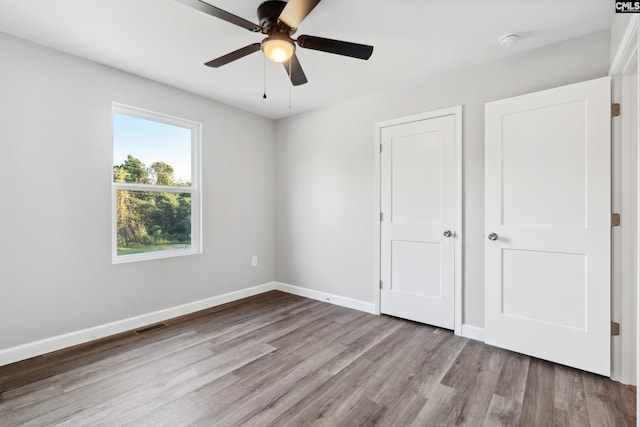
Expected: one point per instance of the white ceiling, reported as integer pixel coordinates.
(168, 42)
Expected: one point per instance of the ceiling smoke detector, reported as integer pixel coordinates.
(508, 40)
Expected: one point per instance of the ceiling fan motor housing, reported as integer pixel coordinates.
(268, 13)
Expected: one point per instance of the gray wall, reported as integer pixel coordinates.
(56, 274)
(325, 167)
(618, 28)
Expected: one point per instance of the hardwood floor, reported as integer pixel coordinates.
(279, 359)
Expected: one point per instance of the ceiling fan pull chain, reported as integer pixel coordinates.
(264, 74)
(290, 85)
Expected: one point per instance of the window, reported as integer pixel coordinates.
(156, 186)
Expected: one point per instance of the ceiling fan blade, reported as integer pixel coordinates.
(297, 73)
(354, 50)
(222, 14)
(236, 54)
(295, 11)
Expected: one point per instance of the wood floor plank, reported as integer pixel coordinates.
(502, 412)
(281, 403)
(562, 418)
(362, 326)
(101, 369)
(187, 410)
(60, 407)
(398, 372)
(625, 395)
(159, 392)
(539, 396)
(331, 399)
(513, 377)
(271, 368)
(603, 405)
(280, 359)
(50, 364)
(402, 410)
(12, 403)
(475, 375)
(443, 408)
(569, 397)
(270, 393)
(363, 413)
(362, 345)
(437, 361)
(475, 359)
(267, 330)
(347, 316)
(390, 343)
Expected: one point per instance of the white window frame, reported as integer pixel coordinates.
(194, 190)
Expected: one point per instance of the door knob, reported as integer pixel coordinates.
(492, 237)
(447, 233)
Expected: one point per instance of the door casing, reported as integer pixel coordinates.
(626, 280)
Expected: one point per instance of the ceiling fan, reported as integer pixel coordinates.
(279, 21)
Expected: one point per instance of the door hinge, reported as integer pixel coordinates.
(615, 110)
(381, 217)
(615, 329)
(380, 284)
(381, 148)
(615, 220)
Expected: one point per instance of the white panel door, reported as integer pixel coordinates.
(547, 219)
(418, 201)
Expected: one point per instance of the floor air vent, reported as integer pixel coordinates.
(150, 328)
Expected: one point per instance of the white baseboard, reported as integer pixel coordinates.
(47, 345)
(473, 332)
(367, 307)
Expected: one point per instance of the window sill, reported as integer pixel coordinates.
(146, 256)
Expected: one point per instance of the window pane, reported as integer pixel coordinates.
(150, 152)
(151, 221)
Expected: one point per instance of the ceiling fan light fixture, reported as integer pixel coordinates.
(277, 49)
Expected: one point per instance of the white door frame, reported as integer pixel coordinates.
(625, 309)
(458, 232)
